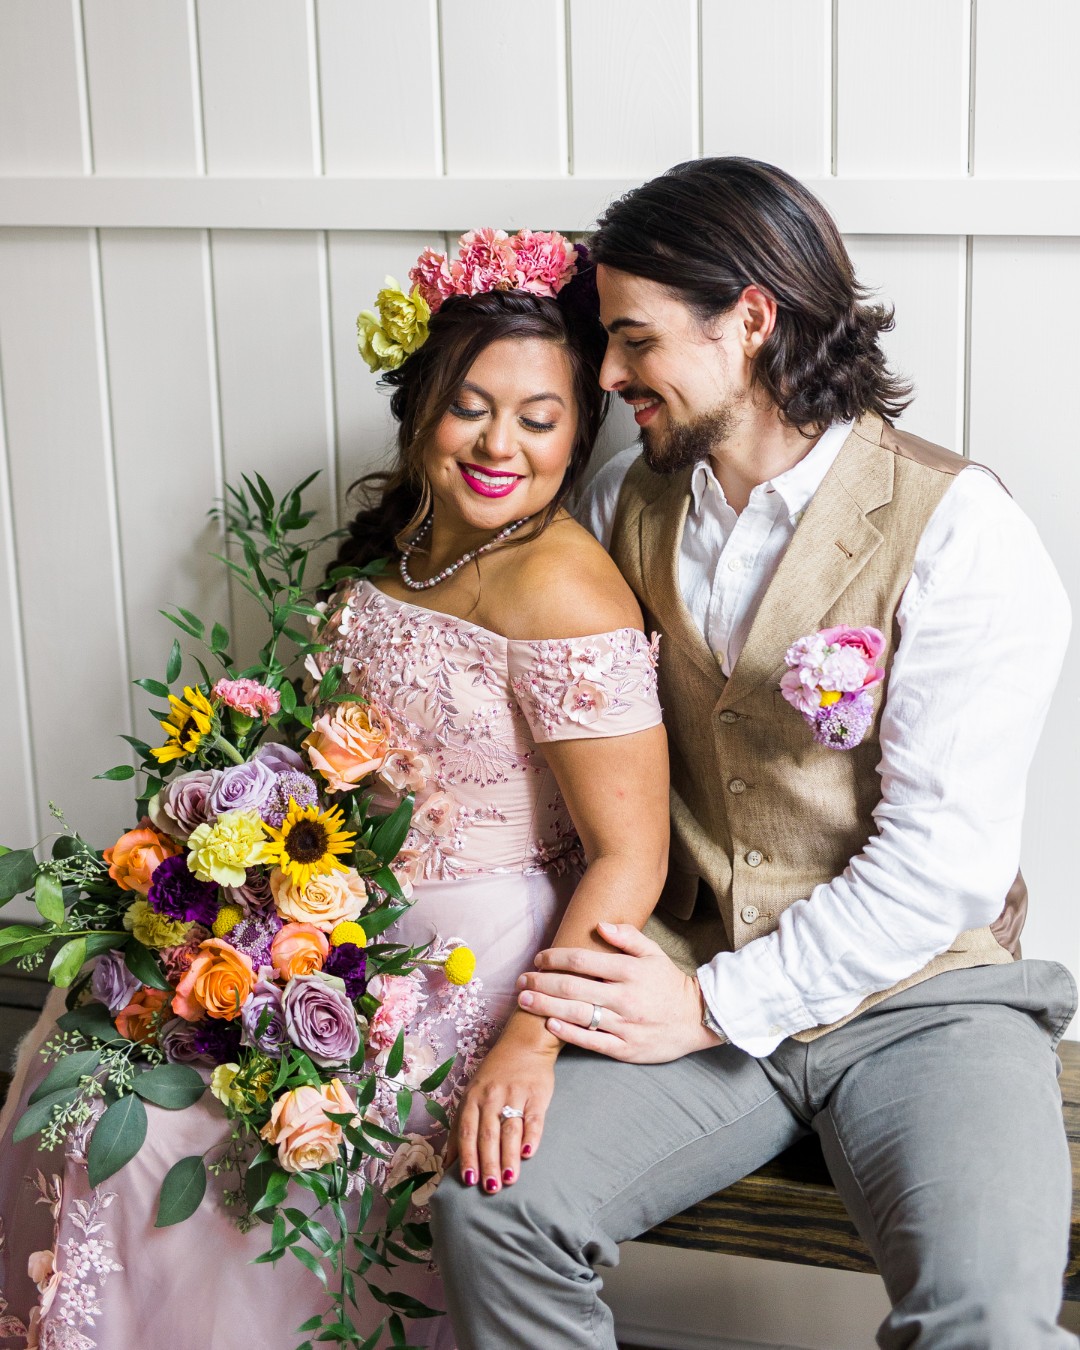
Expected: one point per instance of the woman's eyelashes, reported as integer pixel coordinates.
(474, 415)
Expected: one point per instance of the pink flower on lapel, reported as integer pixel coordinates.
(828, 677)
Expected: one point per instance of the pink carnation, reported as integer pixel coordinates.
(248, 697)
(432, 278)
(546, 262)
(485, 262)
(399, 1001)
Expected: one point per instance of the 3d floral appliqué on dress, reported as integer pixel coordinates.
(491, 861)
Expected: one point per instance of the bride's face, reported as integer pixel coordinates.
(502, 448)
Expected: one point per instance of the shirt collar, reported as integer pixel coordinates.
(796, 486)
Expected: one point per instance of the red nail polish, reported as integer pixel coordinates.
(508, 1175)
(526, 1150)
(491, 1185)
(469, 1177)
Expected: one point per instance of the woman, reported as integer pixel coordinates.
(506, 654)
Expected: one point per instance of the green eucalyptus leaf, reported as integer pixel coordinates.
(96, 943)
(275, 1191)
(49, 898)
(64, 1076)
(67, 962)
(143, 965)
(17, 868)
(36, 1117)
(181, 1191)
(172, 1086)
(117, 1137)
(90, 1020)
(20, 939)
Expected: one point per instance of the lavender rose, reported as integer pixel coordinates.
(280, 759)
(177, 1041)
(242, 787)
(178, 893)
(112, 983)
(264, 1001)
(181, 806)
(254, 894)
(320, 1019)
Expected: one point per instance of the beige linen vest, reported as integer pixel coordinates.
(761, 814)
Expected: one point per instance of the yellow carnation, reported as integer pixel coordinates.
(400, 327)
(223, 852)
(228, 916)
(221, 1085)
(460, 966)
(153, 929)
(348, 932)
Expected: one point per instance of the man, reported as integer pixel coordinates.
(843, 906)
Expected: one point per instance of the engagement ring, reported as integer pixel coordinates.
(512, 1113)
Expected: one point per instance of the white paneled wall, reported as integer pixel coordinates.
(155, 342)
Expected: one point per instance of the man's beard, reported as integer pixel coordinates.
(685, 443)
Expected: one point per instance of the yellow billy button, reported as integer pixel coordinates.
(228, 916)
(460, 966)
(829, 697)
(348, 932)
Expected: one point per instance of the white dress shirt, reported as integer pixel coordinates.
(984, 623)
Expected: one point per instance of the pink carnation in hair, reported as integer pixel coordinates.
(248, 697)
(485, 262)
(546, 261)
(432, 278)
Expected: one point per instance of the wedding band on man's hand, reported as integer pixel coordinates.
(594, 1021)
(512, 1113)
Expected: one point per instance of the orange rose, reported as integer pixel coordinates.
(217, 982)
(325, 901)
(137, 1021)
(348, 744)
(134, 856)
(306, 1140)
(299, 949)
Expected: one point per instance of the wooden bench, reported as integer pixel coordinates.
(789, 1210)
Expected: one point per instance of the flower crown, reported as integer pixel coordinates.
(487, 260)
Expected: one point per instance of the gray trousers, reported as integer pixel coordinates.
(939, 1115)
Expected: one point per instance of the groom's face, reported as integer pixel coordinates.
(685, 380)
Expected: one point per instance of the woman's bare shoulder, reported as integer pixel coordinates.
(564, 584)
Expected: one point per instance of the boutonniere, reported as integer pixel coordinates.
(829, 678)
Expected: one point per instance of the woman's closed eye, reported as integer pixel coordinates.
(471, 414)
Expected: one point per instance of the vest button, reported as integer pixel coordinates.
(736, 785)
(728, 716)
(754, 858)
(750, 914)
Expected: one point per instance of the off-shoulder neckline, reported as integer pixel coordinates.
(489, 632)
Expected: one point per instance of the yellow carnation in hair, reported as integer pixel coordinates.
(228, 916)
(348, 932)
(460, 966)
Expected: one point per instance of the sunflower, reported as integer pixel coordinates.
(191, 718)
(309, 842)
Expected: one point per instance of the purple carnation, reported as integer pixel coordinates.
(112, 983)
(177, 1041)
(280, 759)
(843, 725)
(255, 894)
(181, 806)
(242, 787)
(295, 786)
(255, 934)
(349, 963)
(217, 1040)
(265, 999)
(178, 893)
(320, 1019)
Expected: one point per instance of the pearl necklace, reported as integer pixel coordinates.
(424, 529)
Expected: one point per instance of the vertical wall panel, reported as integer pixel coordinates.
(923, 278)
(41, 88)
(765, 82)
(260, 101)
(504, 88)
(634, 85)
(140, 80)
(380, 87)
(1019, 429)
(1027, 95)
(61, 490)
(902, 88)
(164, 433)
(272, 337)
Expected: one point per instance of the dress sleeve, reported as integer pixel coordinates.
(575, 688)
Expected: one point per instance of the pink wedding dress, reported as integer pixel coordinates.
(495, 860)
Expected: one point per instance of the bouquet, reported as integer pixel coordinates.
(235, 940)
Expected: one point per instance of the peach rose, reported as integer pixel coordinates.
(325, 901)
(299, 949)
(134, 856)
(217, 982)
(137, 1020)
(348, 744)
(305, 1138)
